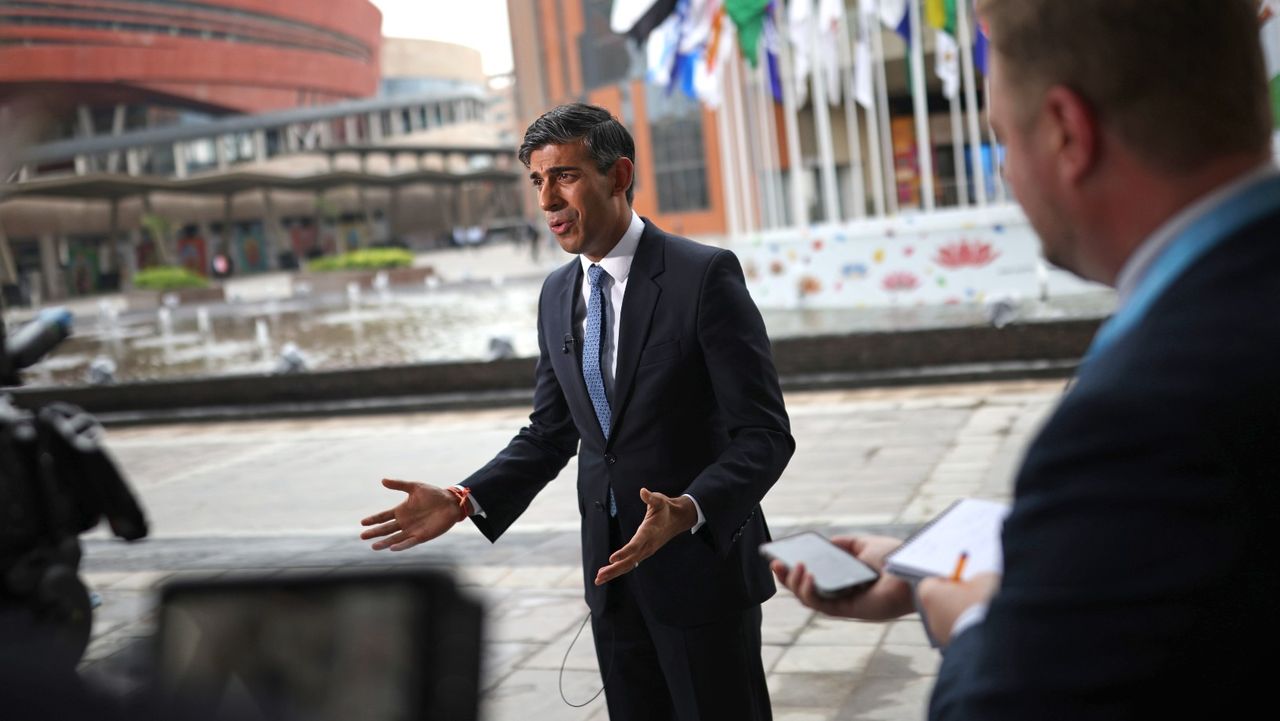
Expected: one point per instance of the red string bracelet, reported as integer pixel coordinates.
(464, 507)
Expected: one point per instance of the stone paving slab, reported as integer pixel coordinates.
(285, 497)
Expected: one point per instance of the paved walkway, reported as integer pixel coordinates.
(270, 496)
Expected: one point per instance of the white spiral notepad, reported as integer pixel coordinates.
(970, 525)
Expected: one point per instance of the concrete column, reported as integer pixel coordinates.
(375, 127)
(117, 128)
(393, 214)
(351, 129)
(111, 260)
(167, 254)
(55, 287)
(397, 122)
(260, 145)
(220, 151)
(132, 162)
(224, 243)
(8, 269)
(180, 159)
(84, 126)
(271, 230)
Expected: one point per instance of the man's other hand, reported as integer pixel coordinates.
(888, 597)
(942, 601)
(664, 518)
(427, 512)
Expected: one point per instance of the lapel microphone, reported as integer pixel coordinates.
(568, 343)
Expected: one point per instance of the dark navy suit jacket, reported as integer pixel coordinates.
(1141, 566)
(696, 408)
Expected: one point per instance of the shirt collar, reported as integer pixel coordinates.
(1140, 261)
(617, 262)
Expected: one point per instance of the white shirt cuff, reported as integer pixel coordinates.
(701, 518)
(970, 617)
(476, 510)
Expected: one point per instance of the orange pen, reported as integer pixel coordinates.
(955, 575)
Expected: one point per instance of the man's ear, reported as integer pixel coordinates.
(1073, 133)
(622, 174)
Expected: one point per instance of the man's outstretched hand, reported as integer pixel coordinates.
(427, 512)
(664, 518)
(889, 597)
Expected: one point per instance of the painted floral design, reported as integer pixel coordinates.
(900, 281)
(810, 285)
(966, 254)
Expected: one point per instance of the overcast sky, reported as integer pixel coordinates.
(480, 24)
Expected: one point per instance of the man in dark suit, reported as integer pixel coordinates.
(655, 368)
(1140, 577)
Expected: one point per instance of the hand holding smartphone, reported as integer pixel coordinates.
(836, 573)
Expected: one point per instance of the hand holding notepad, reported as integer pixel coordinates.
(969, 526)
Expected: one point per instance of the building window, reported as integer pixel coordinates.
(604, 57)
(679, 158)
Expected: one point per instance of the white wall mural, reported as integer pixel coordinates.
(943, 258)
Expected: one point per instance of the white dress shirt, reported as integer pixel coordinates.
(617, 268)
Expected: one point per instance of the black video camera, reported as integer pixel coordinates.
(56, 482)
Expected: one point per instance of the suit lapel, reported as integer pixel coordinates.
(574, 386)
(638, 304)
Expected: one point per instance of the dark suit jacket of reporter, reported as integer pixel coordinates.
(1141, 571)
(696, 409)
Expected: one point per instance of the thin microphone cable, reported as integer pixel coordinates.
(565, 660)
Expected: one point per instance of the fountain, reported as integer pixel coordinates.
(263, 338)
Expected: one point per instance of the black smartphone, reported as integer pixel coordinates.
(390, 646)
(835, 572)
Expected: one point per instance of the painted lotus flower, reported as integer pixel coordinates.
(810, 285)
(900, 281)
(966, 254)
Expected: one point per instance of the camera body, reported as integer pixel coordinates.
(56, 482)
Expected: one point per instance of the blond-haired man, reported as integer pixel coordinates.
(1139, 577)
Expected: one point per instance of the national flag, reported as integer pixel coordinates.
(894, 15)
(638, 18)
(748, 16)
(946, 65)
(800, 33)
(830, 13)
(981, 46)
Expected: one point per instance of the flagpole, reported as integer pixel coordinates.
(920, 107)
(873, 121)
(822, 128)
(744, 178)
(995, 146)
(760, 93)
(859, 192)
(957, 147)
(971, 102)
(799, 209)
(775, 160)
(882, 103)
(726, 159)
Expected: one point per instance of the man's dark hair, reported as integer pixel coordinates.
(603, 135)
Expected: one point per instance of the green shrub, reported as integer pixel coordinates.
(168, 277)
(369, 259)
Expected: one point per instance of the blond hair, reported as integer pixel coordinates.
(1180, 81)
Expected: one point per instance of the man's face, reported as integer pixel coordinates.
(1028, 164)
(585, 209)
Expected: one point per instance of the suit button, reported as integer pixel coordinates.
(610, 458)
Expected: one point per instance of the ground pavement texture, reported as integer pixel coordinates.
(286, 497)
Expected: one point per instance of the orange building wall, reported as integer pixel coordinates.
(560, 46)
(285, 66)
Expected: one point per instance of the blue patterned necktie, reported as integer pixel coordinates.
(592, 346)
